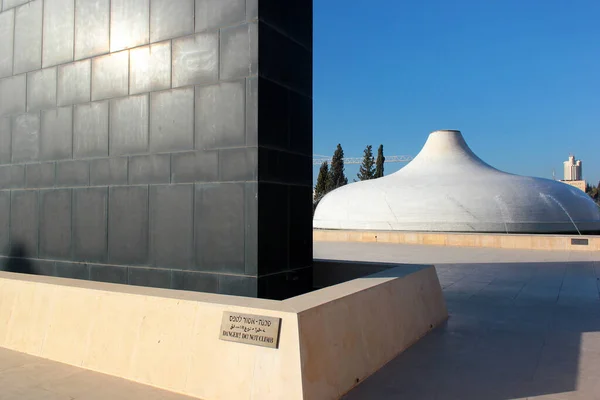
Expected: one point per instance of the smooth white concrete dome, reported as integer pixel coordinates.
(447, 188)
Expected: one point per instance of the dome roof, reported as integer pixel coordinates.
(447, 188)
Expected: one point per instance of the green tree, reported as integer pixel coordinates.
(379, 163)
(367, 168)
(592, 191)
(322, 186)
(595, 193)
(336, 172)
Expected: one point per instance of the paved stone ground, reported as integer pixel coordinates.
(25, 377)
(523, 324)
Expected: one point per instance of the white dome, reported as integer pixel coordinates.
(447, 188)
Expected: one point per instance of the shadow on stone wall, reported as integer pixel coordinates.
(17, 261)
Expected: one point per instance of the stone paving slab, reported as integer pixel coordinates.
(25, 377)
(523, 325)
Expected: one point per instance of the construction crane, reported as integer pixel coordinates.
(319, 159)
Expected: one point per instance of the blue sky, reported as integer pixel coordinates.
(519, 78)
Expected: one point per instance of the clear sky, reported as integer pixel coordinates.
(519, 78)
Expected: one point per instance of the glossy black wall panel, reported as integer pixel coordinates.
(195, 166)
(293, 65)
(5, 140)
(171, 228)
(71, 173)
(72, 270)
(150, 169)
(274, 107)
(239, 51)
(13, 95)
(24, 223)
(172, 120)
(161, 143)
(108, 273)
(129, 125)
(28, 37)
(293, 18)
(301, 121)
(150, 68)
(195, 281)
(40, 175)
(55, 224)
(74, 83)
(90, 213)
(109, 171)
(13, 3)
(58, 32)
(274, 218)
(42, 267)
(169, 19)
(56, 139)
(110, 76)
(12, 176)
(26, 137)
(92, 28)
(252, 10)
(7, 38)
(128, 225)
(4, 222)
(251, 228)
(152, 277)
(240, 164)
(90, 130)
(212, 14)
(41, 89)
(196, 59)
(219, 224)
(238, 285)
(252, 111)
(220, 115)
(129, 23)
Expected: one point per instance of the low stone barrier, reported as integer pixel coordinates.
(315, 346)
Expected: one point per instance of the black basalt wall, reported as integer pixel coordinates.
(158, 142)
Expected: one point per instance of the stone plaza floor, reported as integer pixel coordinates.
(25, 377)
(523, 324)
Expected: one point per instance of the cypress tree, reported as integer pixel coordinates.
(336, 173)
(367, 168)
(322, 185)
(379, 163)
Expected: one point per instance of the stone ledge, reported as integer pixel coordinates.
(330, 339)
(487, 240)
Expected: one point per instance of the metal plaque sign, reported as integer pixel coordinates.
(579, 242)
(258, 330)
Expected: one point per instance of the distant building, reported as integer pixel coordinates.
(572, 169)
(573, 173)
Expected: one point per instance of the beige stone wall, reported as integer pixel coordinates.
(163, 338)
(578, 184)
(360, 325)
(329, 338)
(526, 242)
